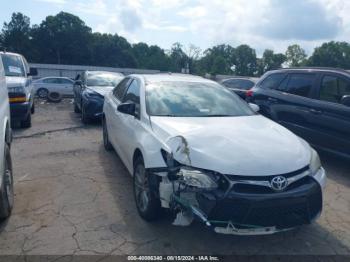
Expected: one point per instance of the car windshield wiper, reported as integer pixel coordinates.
(217, 115)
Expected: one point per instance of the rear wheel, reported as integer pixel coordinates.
(27, 122)
(147, 204)
(6, 191)
(42, 92)
(108, 146)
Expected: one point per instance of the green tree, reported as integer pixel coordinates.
(331, 54)
(270, 61)
(216, 60)
(63, 39)
(150, 57)
(16, 35)
(295, 56)
(178, 58)
(111, 50)
(245, 61)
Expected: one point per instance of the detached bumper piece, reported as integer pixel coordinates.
(276, 210)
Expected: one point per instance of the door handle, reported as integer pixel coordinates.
(315, 111)
(272, 99)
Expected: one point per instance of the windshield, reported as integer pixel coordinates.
(13, 65)
(103, 79)
(193, 99)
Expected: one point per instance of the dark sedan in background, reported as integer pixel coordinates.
(89, 90)
(239, 85)
(314, 103)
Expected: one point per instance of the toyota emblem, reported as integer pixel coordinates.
(279, 183)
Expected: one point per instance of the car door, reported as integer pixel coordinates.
(66, 86)
(293, 104)
(113, 120)
(332, 119)
(129, 124)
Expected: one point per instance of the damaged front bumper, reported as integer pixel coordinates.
(243, 209)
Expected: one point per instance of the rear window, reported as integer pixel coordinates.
(239, 84)
(333, 89)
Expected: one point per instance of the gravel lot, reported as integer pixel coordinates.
(73, 197)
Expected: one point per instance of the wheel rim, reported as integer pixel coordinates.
(9, 186)
(42, 93)
(141, 188)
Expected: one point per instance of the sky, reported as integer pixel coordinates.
(262, 24)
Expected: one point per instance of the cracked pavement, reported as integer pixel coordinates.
(73, 197)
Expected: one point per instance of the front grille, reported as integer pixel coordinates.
(267, 178)
(286, 209)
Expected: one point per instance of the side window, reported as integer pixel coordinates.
(272, 81)
(333, 89)
(65, 81)
(299, 84)
(51, 81)
(132, 95)
(119, 90)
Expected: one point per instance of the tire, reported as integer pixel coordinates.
(42, 92)
(6, 191)
(84, 118)
(147, 204)
(76, 108)
(27, 122)
(54, 97)
(32, 110)
(108, 146)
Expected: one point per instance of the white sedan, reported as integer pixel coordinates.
(62, 85)
(197, 149)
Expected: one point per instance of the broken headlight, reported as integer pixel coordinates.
(196, 178)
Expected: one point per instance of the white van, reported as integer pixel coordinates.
(20, 87)
(6, 178)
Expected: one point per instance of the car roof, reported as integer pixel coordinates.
(9, 53)
(168, 77)
(311, 69)
(103, 72)
(252, 79)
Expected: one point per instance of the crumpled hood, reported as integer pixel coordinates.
(102, 90)
(250, 145)
(15, 81)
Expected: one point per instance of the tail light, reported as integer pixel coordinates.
(249, 93)
(17, 94)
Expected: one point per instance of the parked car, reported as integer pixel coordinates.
(89, 90)
(6, 177)
(239, 85)
(61, 85)
(20, 87)
(314, 103)
(195, 148)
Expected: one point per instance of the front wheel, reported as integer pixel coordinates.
(108, 146)
(42, 93)
(84, 118)
(6, 190)
(147, 204)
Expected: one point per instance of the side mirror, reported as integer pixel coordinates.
(345, 100)
(33, 71)
(254, 107)
(127, 108)
(78, 83)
